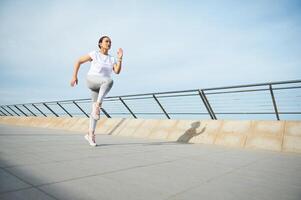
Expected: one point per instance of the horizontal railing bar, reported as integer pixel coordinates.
(227, 87)
(135, 98)
(156, 93)
(254, 113)
(237, 91)
(255, 90)
(220, 113)
(174, 92)
(179, 95)
(155, 113)
(49, 102)
(287, 88)
(254, 85)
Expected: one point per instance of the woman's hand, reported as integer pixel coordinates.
(74, 81)
(120, 53)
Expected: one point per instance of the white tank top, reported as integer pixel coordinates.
(101, 65)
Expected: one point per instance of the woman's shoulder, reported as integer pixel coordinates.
(92, 54)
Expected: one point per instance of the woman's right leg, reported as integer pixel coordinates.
(105, 87)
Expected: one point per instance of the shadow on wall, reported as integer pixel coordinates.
(191, 132)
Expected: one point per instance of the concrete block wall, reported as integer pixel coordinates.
(282, 136)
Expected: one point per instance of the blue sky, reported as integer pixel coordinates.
(168, 45)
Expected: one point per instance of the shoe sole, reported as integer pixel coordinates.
(86, 137)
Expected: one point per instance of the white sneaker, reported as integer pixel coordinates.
(89, 139)
(95, 112)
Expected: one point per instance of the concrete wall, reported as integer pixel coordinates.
(252, 134)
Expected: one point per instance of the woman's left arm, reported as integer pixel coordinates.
(117, 66)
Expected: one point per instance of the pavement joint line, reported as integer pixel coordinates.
(31, 185)
(108, 172)
(16, 190)
(68, 160)
(89, 157)
(231, 171)
(85, 158)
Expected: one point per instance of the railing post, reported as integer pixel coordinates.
(206, 104)
(127, 107)
(39, 110)
(105, 112)
(3, 113)
(81, 109)
(161, 106)
(29, 110)
(64, 109)
(212, 112)
(7, 111)
(13, 110)
(50, 110)
(21, 111)
(274, 102)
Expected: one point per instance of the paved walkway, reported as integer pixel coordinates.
(51, 164)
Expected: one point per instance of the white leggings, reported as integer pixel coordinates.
(99, 86)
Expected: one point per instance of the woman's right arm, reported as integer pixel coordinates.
(77, 64)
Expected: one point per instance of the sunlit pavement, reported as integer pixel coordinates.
(51, 164)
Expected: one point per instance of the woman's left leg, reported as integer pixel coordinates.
(97, 99)
(92, 126)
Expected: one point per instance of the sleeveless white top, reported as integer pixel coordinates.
(101, 65)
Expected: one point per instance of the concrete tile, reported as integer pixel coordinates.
(169, 177)
(49, 172)
(9, 182)
(240, 187)
(26, 194)
(100, 188)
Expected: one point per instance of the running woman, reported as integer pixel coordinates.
(98, 79)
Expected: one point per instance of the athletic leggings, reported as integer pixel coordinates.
(99, 86)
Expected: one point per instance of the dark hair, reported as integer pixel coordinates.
(100, 40)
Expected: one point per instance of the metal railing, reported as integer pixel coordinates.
(274, 100)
